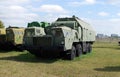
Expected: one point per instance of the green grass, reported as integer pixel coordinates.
(104, 61)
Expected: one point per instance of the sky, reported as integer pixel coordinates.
(103, 15)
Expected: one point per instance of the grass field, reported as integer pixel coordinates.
(104, 61)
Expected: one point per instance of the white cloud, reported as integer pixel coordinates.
(103, 13)
(52, 9)
(20, 12)
(118, 14)
(13, 2)
(106, 26)
(17, 9)
(85, 2)
(114, 2)
(115, 20)
(90, 1)
(16, 15)
(64, 16)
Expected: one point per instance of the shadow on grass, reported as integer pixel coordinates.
(27, 57)
(9, 50)
(109, 69)
(4, 50)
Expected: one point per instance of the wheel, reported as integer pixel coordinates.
(87, 47)
(20, 48)
(84, 48)
(90, 48)
(72, 53)
(78, 50)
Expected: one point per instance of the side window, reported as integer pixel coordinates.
(76, 26)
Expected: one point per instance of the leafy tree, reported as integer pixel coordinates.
(1, 24)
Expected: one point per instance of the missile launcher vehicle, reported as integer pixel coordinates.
(70, 36)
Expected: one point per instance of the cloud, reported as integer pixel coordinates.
(85, 2)
(106, 26)
(114, 2)
(64, 15)
(16, 15)
(13, 2)
(114, 20)
(118, 14)
(90, 1)
(20, 12)
(103, 14)
(52, 9)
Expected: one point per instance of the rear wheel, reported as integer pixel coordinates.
(78, 50)
(87, 47)
(84, 47)
(72, 53)
(90, 48)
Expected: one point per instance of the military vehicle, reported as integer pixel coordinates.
(69, 36)
(34, 29)
(14, 37)
(2, 37)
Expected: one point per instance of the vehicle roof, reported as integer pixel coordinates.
(33, 27)
(79, 21)
(63, 27)
(18, 29)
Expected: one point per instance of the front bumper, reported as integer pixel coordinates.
(49, 49)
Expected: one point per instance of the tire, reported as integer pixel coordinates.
(90, 48)
(87, 48)
(20, 48)
(78, 50)
(72, 53)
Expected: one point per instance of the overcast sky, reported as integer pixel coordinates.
(103, 15)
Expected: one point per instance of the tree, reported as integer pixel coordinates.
(1, 24)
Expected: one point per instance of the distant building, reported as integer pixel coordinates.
(114, 35)
(100, 35)
(105, 38)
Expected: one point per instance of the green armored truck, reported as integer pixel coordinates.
(69, 36)
(14, 37)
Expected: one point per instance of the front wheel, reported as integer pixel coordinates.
(78, 50)
(72, 53)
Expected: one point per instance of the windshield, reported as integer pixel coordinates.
(29, 32)
(68, 24)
